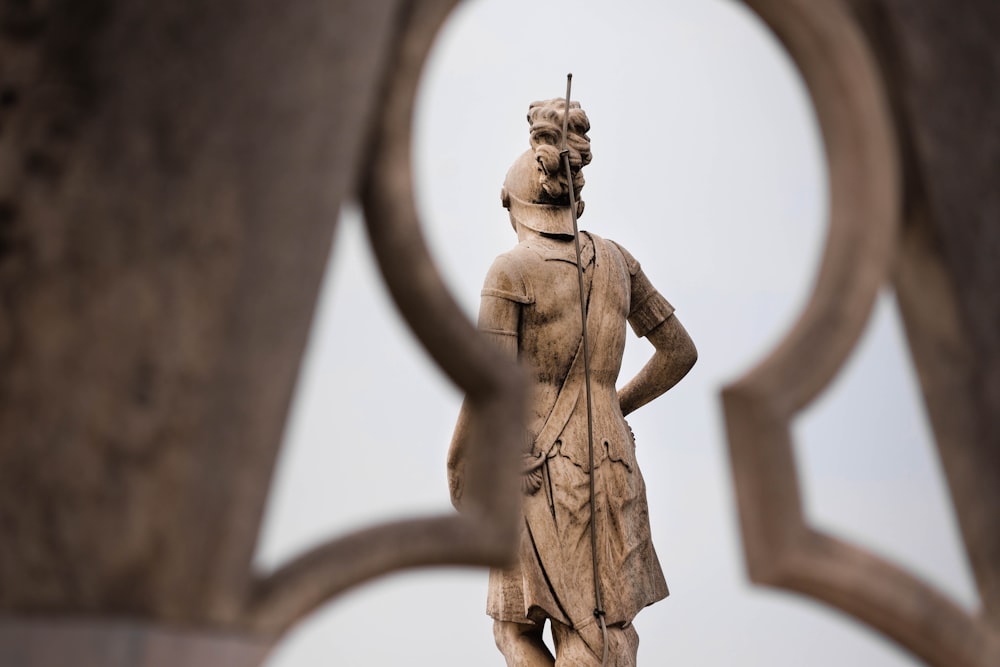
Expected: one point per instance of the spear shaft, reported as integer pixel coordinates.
(564, 154)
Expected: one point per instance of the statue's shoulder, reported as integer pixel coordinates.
(631, 262)
(508, 275)
(518, 260)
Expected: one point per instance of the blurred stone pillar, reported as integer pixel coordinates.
(908, 96)
(171, 175)
(941, 62)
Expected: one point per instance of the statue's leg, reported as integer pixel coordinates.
(522, 645)
(572, 651)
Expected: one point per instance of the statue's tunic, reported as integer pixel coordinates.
(554, 575)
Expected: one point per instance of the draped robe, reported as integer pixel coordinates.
(537, 285)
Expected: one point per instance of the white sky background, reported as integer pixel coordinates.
(708, 167)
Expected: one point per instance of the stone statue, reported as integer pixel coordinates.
(531, 309)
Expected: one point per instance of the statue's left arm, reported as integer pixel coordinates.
(653, 318)
(674, 356)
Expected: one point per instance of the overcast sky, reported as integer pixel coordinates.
(708, 167)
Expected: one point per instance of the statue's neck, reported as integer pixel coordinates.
(525, 233)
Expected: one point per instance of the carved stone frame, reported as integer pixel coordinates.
(781, 548)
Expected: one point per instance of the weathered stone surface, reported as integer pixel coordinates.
(906, 95)
(586, 558)
(942, 67)
(117, 643)
(170, 177)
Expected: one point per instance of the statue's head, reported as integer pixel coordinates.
(536, 191)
